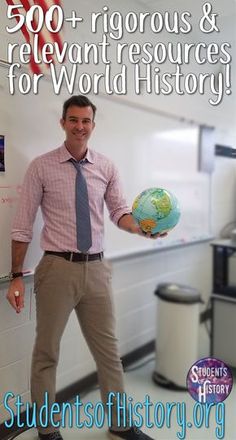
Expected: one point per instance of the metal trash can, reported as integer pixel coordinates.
(177, 334)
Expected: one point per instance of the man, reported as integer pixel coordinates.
(72, 273)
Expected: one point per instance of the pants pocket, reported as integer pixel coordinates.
(42, 270)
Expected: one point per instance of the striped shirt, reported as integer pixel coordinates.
(50, 183)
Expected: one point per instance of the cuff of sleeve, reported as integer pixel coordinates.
(117, 216)
(19, 236)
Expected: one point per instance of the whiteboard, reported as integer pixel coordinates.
(149, 150)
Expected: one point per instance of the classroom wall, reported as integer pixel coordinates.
(134, 279)
(134, 282)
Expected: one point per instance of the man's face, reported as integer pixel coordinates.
(78, 125)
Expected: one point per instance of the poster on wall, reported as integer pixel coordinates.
(2, 158)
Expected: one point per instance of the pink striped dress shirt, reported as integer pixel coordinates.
(50, 183)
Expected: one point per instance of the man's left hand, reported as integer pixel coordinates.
(135, 229)
(127, 223)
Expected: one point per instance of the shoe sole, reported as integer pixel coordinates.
(113, 436)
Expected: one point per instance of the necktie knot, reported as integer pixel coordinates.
(78, 164)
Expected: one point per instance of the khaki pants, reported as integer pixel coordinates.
(60, 287)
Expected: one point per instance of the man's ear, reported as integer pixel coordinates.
(62, 123)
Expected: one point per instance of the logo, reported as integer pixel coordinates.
(209, 380)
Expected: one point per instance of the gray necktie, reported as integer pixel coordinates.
(83, 223)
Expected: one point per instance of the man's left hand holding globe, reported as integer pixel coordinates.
(127, 223)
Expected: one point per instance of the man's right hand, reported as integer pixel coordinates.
(16, 285)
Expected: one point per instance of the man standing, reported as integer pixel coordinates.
(71, 184)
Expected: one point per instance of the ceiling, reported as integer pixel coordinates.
(225, 8)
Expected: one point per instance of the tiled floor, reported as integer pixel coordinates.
(139, 384)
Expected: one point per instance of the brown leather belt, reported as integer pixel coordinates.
(75, 256)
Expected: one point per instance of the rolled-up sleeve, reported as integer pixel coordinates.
(114, 197)
(30, 199)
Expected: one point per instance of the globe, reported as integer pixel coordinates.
(156, 210)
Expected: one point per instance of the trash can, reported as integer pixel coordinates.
(177, 334)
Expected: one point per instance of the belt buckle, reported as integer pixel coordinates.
(71, 256)
(86, 257)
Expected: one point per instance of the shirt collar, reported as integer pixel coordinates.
(65, 156)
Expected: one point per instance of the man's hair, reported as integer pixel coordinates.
(79, 101)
